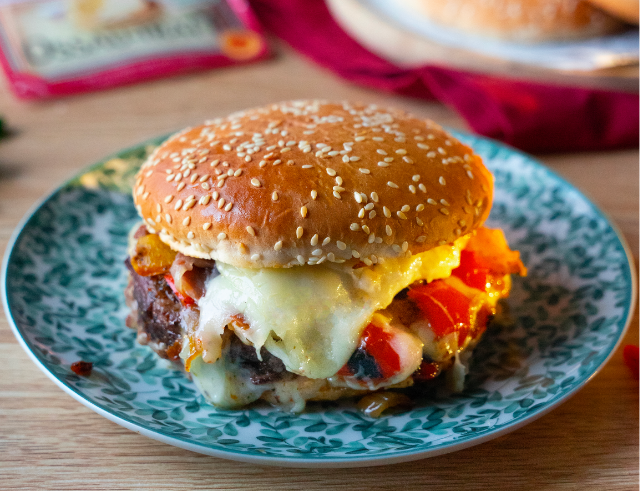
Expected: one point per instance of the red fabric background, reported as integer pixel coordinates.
(531, 116)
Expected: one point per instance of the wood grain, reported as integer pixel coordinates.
(50, 441)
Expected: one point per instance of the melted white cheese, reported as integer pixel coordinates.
(311, 317)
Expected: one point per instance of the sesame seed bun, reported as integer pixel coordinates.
(311, 181)
(523, 21)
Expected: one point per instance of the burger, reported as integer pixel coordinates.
(312, 250)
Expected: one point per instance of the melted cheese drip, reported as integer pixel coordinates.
(311, 317)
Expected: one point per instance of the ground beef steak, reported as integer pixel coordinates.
(155, 313)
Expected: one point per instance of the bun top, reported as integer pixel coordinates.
(305, 182)
(523, 21)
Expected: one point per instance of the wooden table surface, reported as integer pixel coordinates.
(50, 441)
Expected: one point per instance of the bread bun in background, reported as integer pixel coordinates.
(521, 21)
(626, 10)
(307, 181)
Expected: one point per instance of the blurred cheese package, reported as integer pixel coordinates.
(59, 47)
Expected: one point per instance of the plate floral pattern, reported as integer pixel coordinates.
(63, 281)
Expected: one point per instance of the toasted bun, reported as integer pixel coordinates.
(524, 21)
(309, 181)
(626, 10)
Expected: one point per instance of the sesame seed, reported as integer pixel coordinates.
(355, 254)
(408, 160)
(255, 182)
(168, 218)
(230, 173)
(303, 211)
(365, 229)
(432, 201)
(372, 214)
(354, 226)
(412, 188)
(317, 252)
(470, 174)
(369, 206)
(372, 238)
(361, 213)
(354, 158)
(392, 185)
(299, 232)
(431, 154)
(381, 152)
(307, 166)
(215, 195)
(444, 202)
(189, 204)
(339, 181)
(274, 196)
(194, 177)
(331, 172)
(338, 189)
(420, 207)
(278, 245)
(222, 236)
(345, 158)
(401, 215)
(462, 223)
(444, 211)
(228, 207)
(405, 246)
(178, 205)
(367, 261)
(221, 202)
(277, 162)
(442, 181)
(419, 221)
(214, 162)
(396, 248)
(418, 138)
(314, 194)
(358, 197)
(206, 226)
(337, 194)
(180, 187)
(186, 221)
(255, 257)
(388, 159)
(388, 230)
(359, 138)
(262, 163)
(191, 235)
(186, 173)
(383, 164)
(416, 178)
(300, 259)
(423, 146)
(377, 138)
(168, 199)
(422, 187)
(386, 212)
(237, 173)
(374, 197)
(251, 231)
(205, 186)
(422, 238)
(401, 151)
(405, 208)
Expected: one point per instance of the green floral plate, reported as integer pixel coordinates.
(63, 280)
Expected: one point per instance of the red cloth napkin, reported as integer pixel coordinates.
(531, 116)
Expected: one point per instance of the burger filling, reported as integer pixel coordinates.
(288, 335)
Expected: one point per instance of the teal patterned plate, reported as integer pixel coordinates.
(63, 280)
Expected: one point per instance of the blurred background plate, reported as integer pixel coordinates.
(609, 62)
